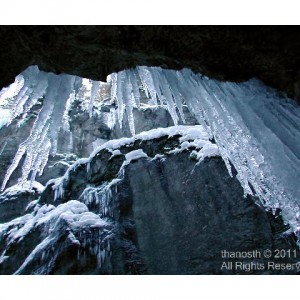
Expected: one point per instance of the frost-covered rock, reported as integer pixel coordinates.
(145, 205)
(104, 164)
(155, 200)
(14, 200)
(40, 242)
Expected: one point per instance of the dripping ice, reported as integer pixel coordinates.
(255, 129)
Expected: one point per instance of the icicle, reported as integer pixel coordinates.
(46, 126)
(65, 120)
(101, 196)
(168, 97)
(24, 86)
(120, 96)
(129, 101)
(173, 83)
(38, 93)
(12, 90)
(34, 154)
(60, 100)
(114, 81)
(148, 83)
(14, 165)
(136, 96)
(19, 102)
(155, 75)
(94, 92)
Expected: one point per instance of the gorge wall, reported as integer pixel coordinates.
(159, 199)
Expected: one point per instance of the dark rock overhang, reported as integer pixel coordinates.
(235, 53)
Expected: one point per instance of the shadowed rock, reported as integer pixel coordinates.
(236, 53)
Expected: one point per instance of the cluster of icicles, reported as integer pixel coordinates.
(256, 131)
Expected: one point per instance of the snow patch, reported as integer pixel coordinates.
(133, 155)
(5, 116)
(30, 187)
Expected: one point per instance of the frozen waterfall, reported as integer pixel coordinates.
(256, 130)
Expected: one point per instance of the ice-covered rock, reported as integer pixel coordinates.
(164, 212)
(14, 200)
(38, 242)
(127, 122)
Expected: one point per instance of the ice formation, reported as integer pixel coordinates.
(254, 128)
(100, 196)
(29, 187)
(52, 221)
(189, 136)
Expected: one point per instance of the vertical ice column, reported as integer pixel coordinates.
(94, 92)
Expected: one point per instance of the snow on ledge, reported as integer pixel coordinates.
(187, 133)
(30, 187)
(133, 155)
(190, 136)
(75, 213)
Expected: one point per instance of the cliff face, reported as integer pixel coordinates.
(141, 206)
(236, 53)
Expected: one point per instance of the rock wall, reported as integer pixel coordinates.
(161, 214)
(86, 134)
